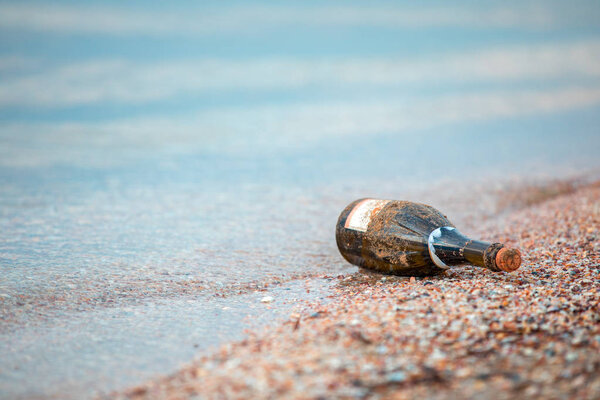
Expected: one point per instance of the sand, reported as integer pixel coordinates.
(471, 333)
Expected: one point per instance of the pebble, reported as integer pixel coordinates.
(266, 299)
(570, 357)
(396, 377)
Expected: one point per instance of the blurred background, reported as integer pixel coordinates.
(152, 152)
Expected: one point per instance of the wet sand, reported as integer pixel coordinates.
(471, 333)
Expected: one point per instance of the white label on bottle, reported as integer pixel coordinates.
(363, 212)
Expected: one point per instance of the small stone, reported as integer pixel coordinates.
(266, 299)
(532, 391)
(396, 377)
(570, 357)
(579, 381)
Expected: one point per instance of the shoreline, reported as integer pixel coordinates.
(468, 334)
(139, 334)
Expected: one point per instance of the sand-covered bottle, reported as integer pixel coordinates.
(412, 239)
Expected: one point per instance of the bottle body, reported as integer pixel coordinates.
(405, 238)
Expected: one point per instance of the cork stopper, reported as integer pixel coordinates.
(508, 260)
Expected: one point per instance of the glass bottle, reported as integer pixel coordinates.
(412, 239)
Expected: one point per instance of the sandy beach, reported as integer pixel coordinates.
(471, 333)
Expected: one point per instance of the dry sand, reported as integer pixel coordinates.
(469, 334)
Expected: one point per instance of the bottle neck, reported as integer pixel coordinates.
(448, 247)
(474, 252)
